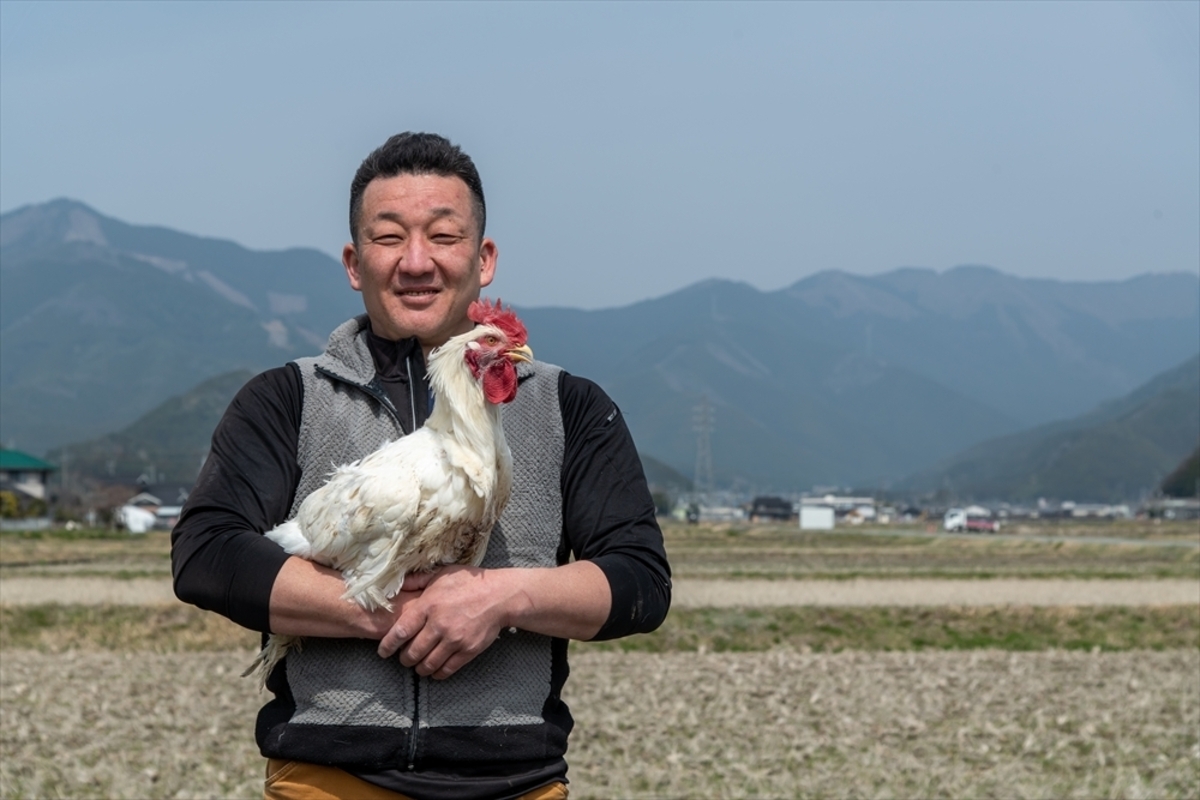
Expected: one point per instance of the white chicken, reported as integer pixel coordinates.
(426, 499)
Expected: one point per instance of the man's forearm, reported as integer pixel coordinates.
(306, 600)
(570, 602)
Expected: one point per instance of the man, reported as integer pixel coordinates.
(456, 694)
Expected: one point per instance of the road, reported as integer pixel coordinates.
(695, 593)
(1029, 537)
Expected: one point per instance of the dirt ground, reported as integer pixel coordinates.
(104, 724)
(732, 725)
(721, 593)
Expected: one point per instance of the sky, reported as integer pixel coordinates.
(632, 149)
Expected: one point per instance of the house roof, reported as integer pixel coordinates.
(16, 460)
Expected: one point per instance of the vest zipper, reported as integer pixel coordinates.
(386, 402)
(416, 722)
(412, 398)
(416, 716)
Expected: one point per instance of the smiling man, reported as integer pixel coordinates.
(456, 694)
(419, 255)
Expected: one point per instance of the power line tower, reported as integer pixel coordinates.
(703, 423)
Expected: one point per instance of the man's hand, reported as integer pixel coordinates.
(455, 613)
(458, 612)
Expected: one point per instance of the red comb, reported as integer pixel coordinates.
(483, 312)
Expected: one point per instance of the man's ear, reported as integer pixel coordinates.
(488, 255)
(350, 262)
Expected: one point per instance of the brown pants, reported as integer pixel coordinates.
(299, 780)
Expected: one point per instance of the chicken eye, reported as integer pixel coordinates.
(492, 340)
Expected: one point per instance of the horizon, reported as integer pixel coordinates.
(649, 298)
(631, 150)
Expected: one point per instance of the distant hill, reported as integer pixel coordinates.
(1120, 451)
(837, 379)
(1184, 480)
(168, 444)
(101, 321)
(662, 476)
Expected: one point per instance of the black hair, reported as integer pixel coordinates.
(416, 154)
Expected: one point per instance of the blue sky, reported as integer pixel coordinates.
(631, 149)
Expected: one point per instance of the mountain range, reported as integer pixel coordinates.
(1119, 451)
(836, 379)
(101, 321)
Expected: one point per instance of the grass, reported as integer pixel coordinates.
(914, 629)
(784, 552)
(744, 551)
(160, 629)
(85, 551)
(170, 629)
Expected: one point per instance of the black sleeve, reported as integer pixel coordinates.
(608, 514)
(219, 558)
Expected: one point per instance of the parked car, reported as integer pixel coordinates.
(962, 520)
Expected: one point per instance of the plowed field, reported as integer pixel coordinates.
(779, 724)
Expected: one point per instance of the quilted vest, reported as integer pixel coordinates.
(337, 701)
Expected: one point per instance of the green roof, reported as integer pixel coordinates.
(16, 460)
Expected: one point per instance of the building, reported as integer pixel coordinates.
(23, 479)
(24, 475)
(163, 502)
(846, 510)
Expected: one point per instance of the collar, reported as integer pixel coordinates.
(389, 356)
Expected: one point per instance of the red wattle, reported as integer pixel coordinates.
(500, 382)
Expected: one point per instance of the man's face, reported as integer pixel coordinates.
(419, 261)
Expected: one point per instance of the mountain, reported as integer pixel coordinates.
(166, 445)
(837, 379)
(1036, 350)
(1120, 451)
(843, 379)
(100, 321)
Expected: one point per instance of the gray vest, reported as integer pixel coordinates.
(343, 681)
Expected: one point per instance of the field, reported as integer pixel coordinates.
(1046, 550)
(144, 700)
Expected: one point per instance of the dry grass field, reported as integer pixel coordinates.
(103, 724)
(1146, 550)
(129, 701)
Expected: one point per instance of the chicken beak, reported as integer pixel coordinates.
(522, 353)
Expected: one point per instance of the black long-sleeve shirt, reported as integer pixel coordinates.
(222, 563)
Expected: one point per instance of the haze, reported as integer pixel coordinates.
(628, 150)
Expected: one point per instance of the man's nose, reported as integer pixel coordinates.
(417, 256)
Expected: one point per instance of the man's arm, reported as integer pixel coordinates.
(306, 600)
(220, 559)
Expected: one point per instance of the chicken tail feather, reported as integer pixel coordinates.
(272, 653)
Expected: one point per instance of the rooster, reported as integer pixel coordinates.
(426, 499)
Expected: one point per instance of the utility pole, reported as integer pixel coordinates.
(703, 424)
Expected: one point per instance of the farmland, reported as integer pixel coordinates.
(139, 700)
